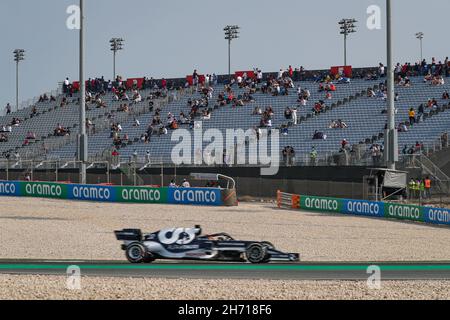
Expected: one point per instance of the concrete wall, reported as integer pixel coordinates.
(307, 181)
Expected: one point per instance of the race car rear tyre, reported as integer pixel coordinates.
(136, 253)
(256, 253)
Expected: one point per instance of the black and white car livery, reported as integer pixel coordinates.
(190, 244)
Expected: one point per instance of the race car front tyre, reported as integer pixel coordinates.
(256, 253)
(136, 253)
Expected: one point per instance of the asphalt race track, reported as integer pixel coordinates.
(302, 271)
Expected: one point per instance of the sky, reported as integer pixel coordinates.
(171, 38)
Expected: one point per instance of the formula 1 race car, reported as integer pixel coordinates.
(190, 244)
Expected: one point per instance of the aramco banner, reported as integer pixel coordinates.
(375, 209)
(185, 196)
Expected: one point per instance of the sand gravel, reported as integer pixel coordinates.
(54, 287)
(55, 229)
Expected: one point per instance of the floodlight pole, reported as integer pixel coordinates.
(420, 36)
(116, 45)
(231, 33)
(347, 27)
(229, 59)
(391, 136)
(345, 50)
(17, 84)
(82, 138)
(421, 49)
(114, 65)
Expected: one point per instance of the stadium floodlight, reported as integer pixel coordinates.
(420, 36)
(231, 33)
(347, 27)
(19, 55)
(116, 45)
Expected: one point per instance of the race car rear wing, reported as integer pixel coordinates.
(129, 235)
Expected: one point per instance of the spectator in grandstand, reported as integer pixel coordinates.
(259, 76)
(195, 78)
(338, 124)
(412, 116)
(405, 150)
(445, 96)
(206, 115)
(294, 116)
(402, 127)
(288, 113)
(280, 74)
(345, 145)
(60, 131)
(303, 102)
(66, 86)
(288, 155)
(375, 150)
(15, 122)
(290, 72)
(30, 135)
(136, 97)
(381, 95)
(3, 137)
(8, 108)
(381, 70)
(431, 103)
(318, 135)
(183, 118)
(163, 131)
(371, 76)
(438, 81)
(319, 107)
(90, 126)
(33, 111)
(257, 111)
(43, 98)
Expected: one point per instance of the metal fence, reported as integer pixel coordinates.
(31, 102)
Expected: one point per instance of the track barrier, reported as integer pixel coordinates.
(384, 210)
(118, 194)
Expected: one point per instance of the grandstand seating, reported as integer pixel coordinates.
(362, 114)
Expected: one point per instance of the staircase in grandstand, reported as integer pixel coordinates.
(428, 168)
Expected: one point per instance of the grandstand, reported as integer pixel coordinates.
(350, 103)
